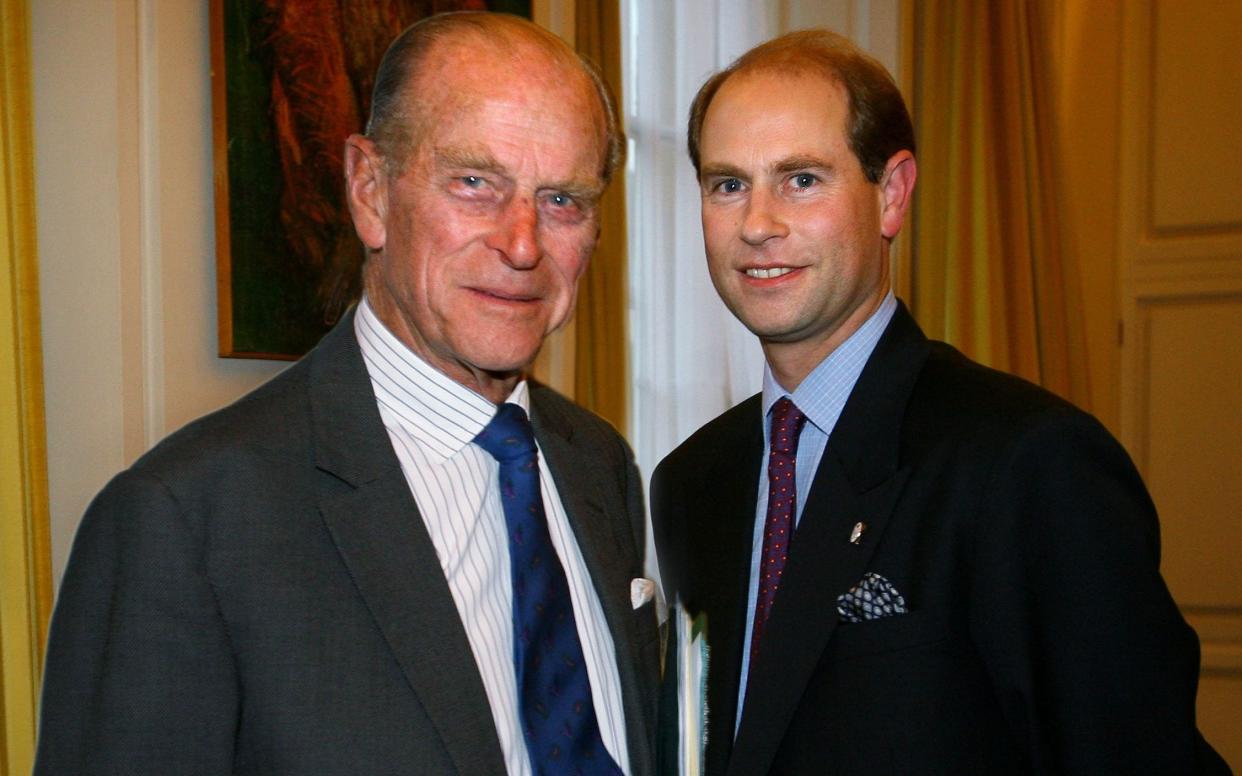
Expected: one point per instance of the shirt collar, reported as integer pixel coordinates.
(439, 412)
(822, 395)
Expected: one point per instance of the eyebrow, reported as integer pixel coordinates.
(455, 158)
(721, 171)
(795, 163)
(780, 167)
(586, 193)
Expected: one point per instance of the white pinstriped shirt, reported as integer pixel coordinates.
(431, 420)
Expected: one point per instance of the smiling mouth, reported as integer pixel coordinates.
(505, 297)
(769, 272)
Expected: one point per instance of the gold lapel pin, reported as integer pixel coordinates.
(856, 534)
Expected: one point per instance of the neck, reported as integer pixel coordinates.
(493, 387)
(792, 361)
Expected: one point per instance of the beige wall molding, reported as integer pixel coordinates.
(25, 579)
(1180, 270)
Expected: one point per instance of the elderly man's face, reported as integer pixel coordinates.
(486, 229)
(795, 234)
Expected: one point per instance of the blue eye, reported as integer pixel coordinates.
(473, 181)
(563, 207)
(731, 185)
(804, 180)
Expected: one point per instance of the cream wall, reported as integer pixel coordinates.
(127, 262)
(1180, 269)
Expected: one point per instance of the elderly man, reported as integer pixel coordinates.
(908, 563)
(369, 565)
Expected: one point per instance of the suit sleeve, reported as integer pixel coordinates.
(1095, 668)
(663, 520)
(139, 676)
(667, 712)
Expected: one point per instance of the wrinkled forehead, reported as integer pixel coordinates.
(473, 69)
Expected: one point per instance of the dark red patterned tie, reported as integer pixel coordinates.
(787, 423)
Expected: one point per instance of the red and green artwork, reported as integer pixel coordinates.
(291, 80)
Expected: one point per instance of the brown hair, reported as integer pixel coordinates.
(878, 124)
(391, 124)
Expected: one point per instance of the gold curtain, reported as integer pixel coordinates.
(600, 363)
(989, 271)
(25, 576)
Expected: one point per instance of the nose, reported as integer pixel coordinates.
(762, 220)
(516, 234)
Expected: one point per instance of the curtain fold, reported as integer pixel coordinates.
(990, 274)
(25, 555)
(600, 363)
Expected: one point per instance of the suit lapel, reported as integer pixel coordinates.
(600, 523)
(381, 538)
(595, 522)
(859, 481)
(822, 564)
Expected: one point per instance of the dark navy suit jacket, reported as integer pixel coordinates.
(1040, 637)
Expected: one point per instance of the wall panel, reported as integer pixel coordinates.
(1181, 295)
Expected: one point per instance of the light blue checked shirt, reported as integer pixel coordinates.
(821, 397)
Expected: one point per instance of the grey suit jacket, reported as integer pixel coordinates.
(258, 594)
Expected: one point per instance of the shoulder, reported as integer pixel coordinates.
(268, 427)
(956, 398)
(213, 465)
(730, 433)
(274, 421)
(552, 410)
(969, 429)
(1036, 451)
(267, 414)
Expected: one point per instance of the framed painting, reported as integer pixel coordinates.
(291, 79)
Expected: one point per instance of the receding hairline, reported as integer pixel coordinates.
(790, 69)
(458, 28)
(529, 48)
(506, 37)
(755, 64)
(878, 122)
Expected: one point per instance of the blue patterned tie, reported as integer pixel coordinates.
(554, 693)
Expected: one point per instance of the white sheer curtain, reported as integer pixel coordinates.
(689, 357)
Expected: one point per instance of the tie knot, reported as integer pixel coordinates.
(508, 435)
(787, 422)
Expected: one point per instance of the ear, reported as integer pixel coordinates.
(366, 190)
(896, 187)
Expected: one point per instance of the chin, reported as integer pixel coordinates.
(509, 362)
(766, 328)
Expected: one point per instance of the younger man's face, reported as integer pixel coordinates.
(791, 224)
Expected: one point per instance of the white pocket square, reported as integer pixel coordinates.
(641, 591)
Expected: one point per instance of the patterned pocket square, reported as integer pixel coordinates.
(873, 598)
